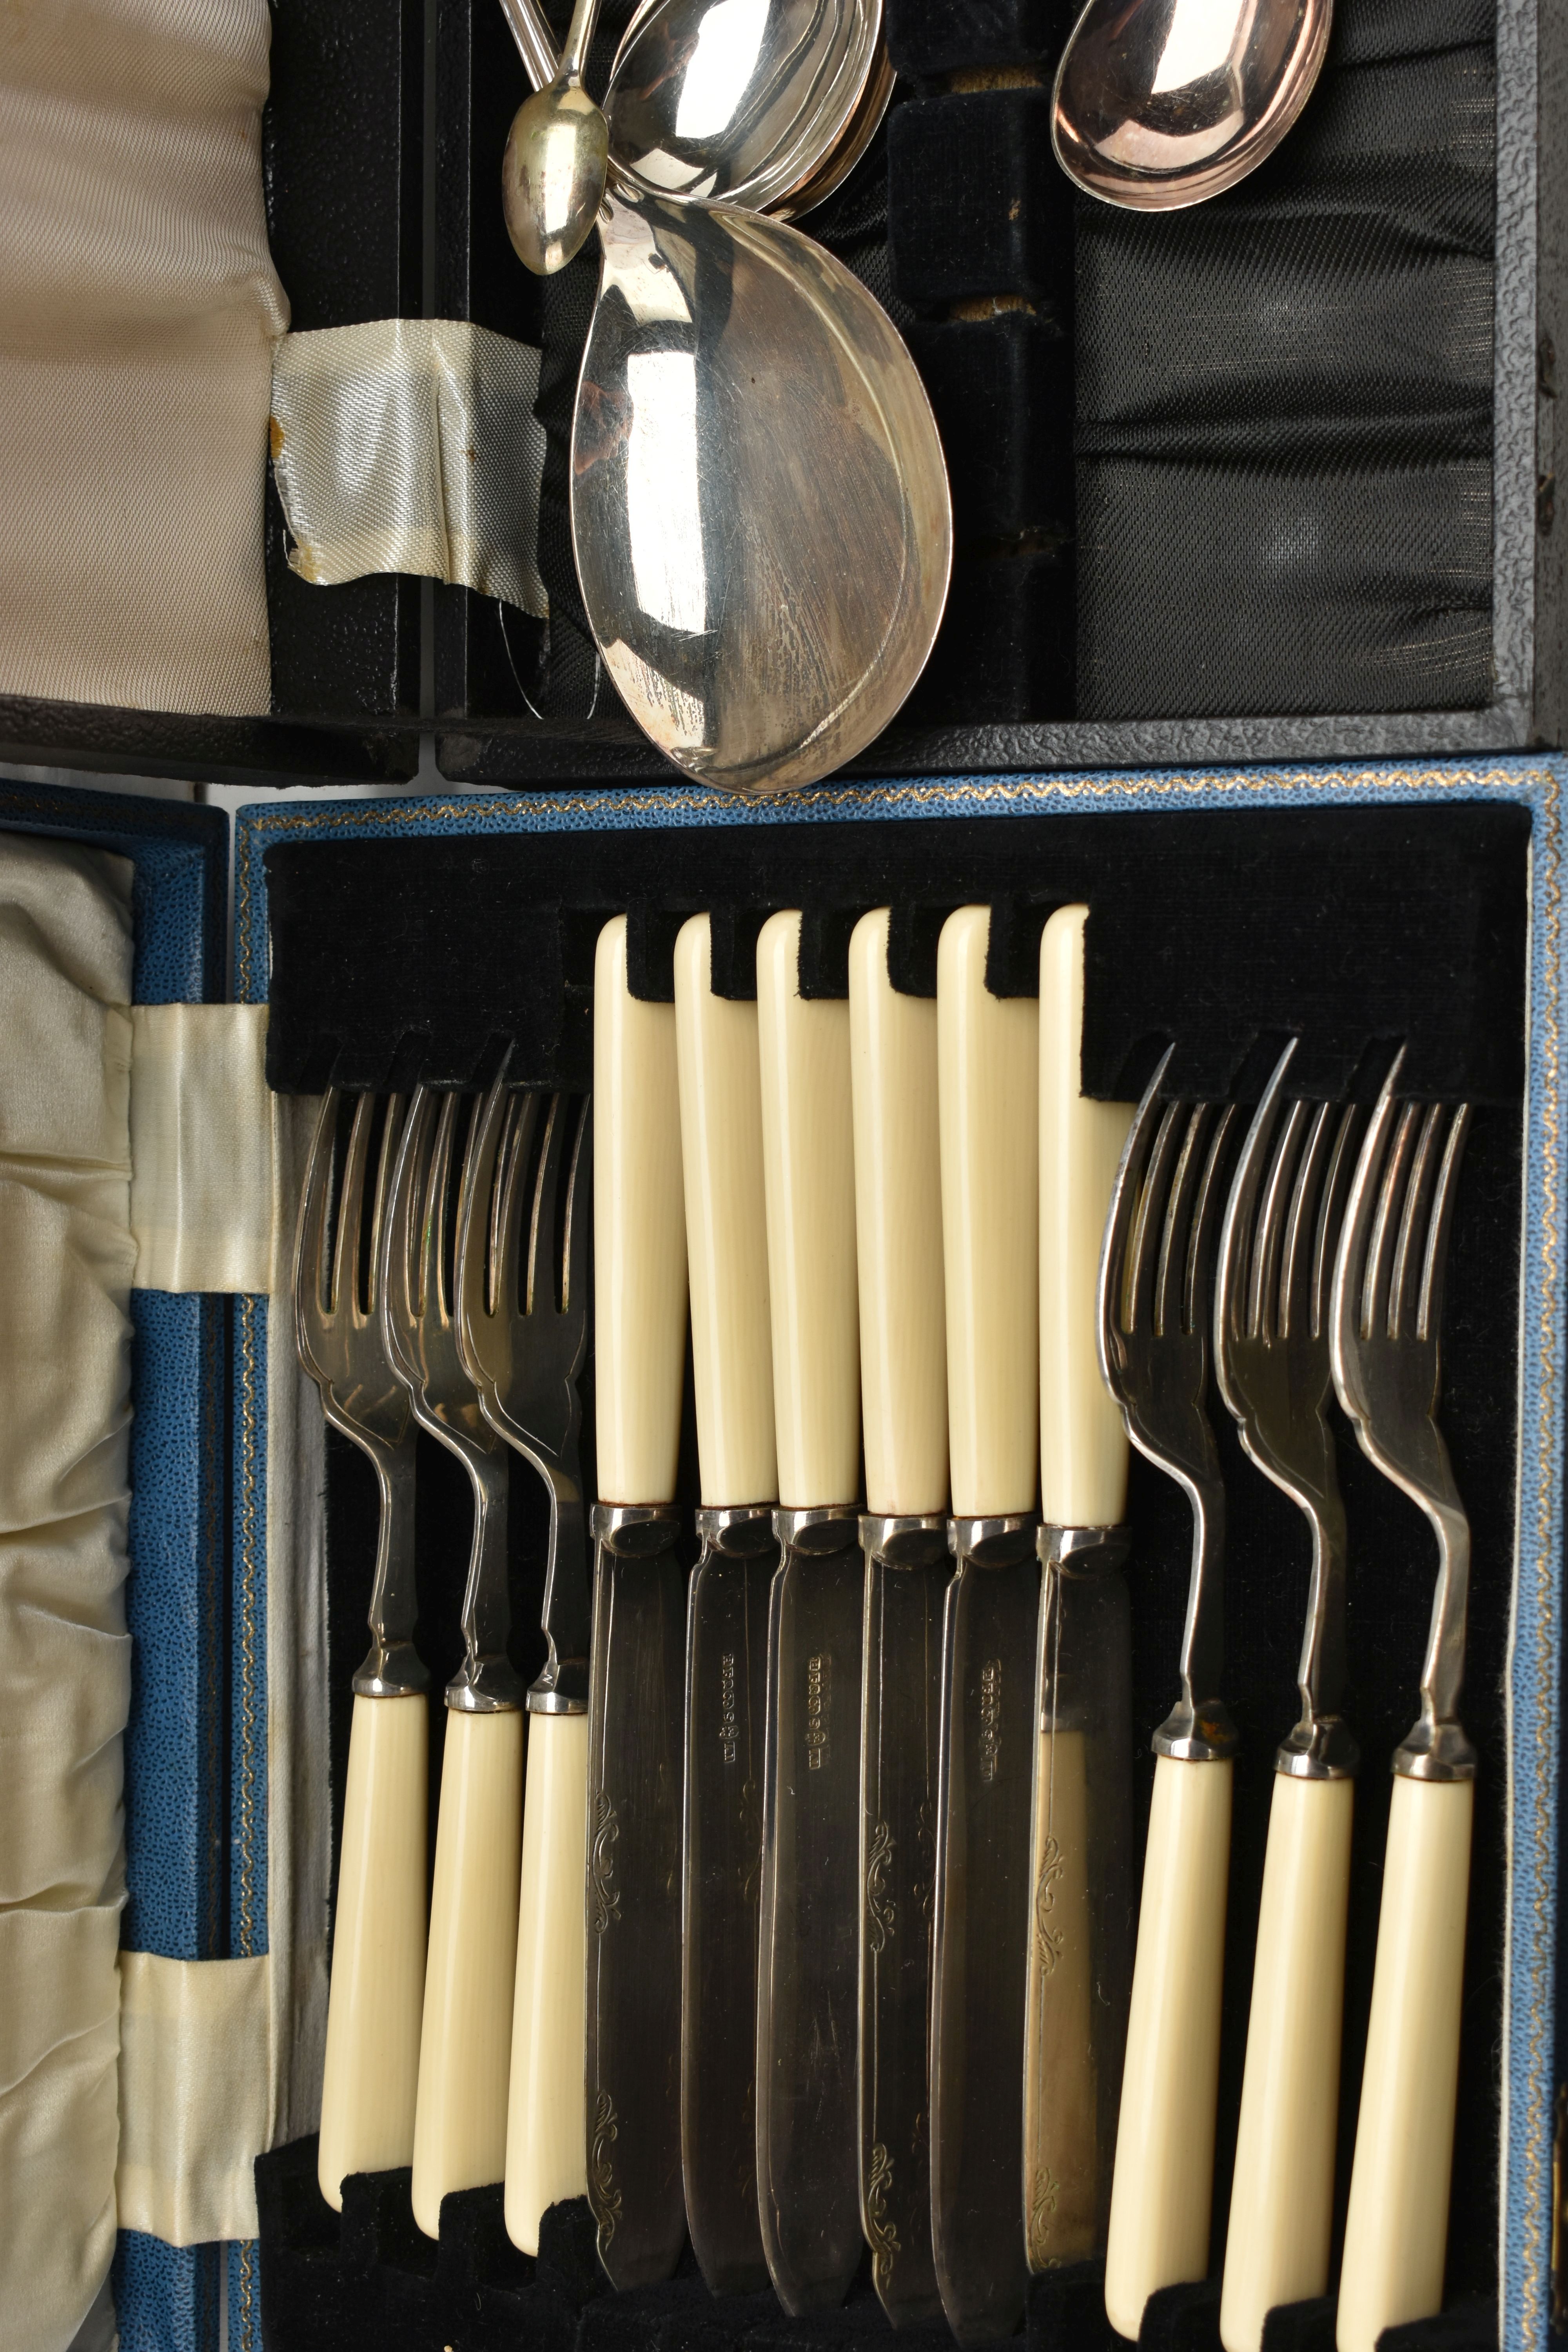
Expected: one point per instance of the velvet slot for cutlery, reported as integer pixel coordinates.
(1354, 909)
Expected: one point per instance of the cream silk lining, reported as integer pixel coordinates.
(138, 310)
(66, 1260)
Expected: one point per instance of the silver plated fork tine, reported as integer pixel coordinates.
(1338, 1178)
(381, 1199)
(575, 1279)
(1382, 1243)
(1365, 1201)
(1236, 1274)
(1175, 1231)
(1435, 1262)
(1289, 1179)
(541, 1294)
(435, 1288)
(401, 1290)
(1303, 1222)
(344, 1290)
(1121, 1250)
(1409, 1255)
(1207, 1195)
(506, 1200)
(310, 1249)
(475, 1252)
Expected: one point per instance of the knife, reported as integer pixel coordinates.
(635, 1688)
(988, 1089)
(726, 1614)
(903, 1535)
(807, 1968)
(1080, 1932)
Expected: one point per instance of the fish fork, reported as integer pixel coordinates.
(523, 1342)
(1276, 1260)
(1153, 1339)
(1386, 1323)
(459, 2135)
(378, 1953)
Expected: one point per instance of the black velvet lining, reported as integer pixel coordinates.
(397, 958)
(1392, 922)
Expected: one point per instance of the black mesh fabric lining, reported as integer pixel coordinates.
(1284, 404)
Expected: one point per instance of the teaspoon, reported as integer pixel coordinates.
(552, 173)
(1160, 103)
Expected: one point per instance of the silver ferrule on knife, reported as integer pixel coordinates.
(726, 1702)
(1081, 1927)
(983, 1893)
(633, 1891)
(906, 1574)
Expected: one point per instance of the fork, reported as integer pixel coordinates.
(523, 1345)
(1385, 1320)
(1276, 1259)
(378, 1952)
(459, 2132)
(1154, 1324)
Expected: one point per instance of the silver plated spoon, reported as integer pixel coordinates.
(557, 150)
(759, 507)
(739, 101)
(1160, 103)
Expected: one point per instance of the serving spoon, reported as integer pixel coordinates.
(760, 509)
(1161, 103)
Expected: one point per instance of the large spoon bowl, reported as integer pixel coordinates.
(737, 102)
(1161, 103)
(759, 509)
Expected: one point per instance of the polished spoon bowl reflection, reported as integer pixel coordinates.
(557, 152)
(740, 101)
(759, 509)
(1161, 103)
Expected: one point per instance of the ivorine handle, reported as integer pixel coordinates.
(988, 1063)
(1396, 2231)
(378, 1951)
(640, 1235)
(459, 2132)
(1083, 1440)
(726, 1230)
(1163, 2185)
(546, 2136)
(808, 1170)
(1281, 2206)
(898, 1197)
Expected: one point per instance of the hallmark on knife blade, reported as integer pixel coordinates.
(818, 1705)
(990, 1718)
(728, 1709)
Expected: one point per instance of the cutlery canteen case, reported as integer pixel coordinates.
(1268, 673)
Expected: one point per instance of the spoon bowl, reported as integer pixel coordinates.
(552, 175)
(759, 509)
(739, 101)
(1161, 103)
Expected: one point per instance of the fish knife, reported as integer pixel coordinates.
(808, 1968)
(637, 1678)
(1080, 1927)
(726, 1618)
(903, 1536)
(988, 1085)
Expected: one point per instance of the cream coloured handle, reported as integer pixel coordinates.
(1083, 1440)
(726, 1230)
(1396, 2230)
(898, 1223)
(1163, 2185)
(459, 2130)
(988, 1093)
(808, 1175)
(640, 1235)
(371, 2069)
(546, 2133)
(1281, 2206)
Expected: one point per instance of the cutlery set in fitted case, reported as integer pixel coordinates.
(1221, 932)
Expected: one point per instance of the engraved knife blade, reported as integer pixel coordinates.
(808, 1963)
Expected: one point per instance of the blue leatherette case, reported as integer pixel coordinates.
(1535, 1673)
